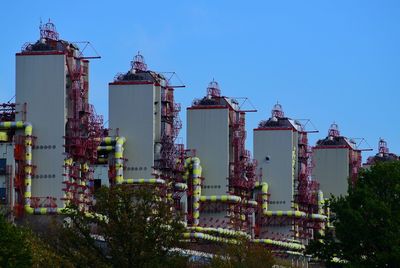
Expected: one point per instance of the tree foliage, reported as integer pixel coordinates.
(20, 247)
(14, 249)
(243, 255)
(131, 228)
(366, 222)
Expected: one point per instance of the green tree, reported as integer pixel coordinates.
(366, 222)
(43, 255)
(132, 228)
(20, 247)
(243, 255)
(14, 249)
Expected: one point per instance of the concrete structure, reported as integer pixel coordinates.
(41, 89)
(135, 113)
(336, 162)
(143, 110)
(208, 134)
(275, 146)
(216, 131)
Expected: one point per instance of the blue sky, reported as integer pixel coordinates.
(322, 60)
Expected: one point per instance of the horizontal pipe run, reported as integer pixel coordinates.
(289, 213)
(278, 243)
(251, 203)
(107, 148)
(221, 198)
(220, 231)
(144, 181)
(203, 236)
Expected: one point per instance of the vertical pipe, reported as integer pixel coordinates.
(196, 189)
(119, 159)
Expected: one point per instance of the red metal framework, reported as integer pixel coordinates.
(138, 63)
(354, 165)
(83, 131)
(170, 127)
(213, 89)
(306, 194)
(48, 31)
(43, 202)
(172, 155)
(242, 177)
(334, 130)
(207, 209)
(277, 111)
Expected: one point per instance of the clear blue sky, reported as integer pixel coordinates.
(327, 61)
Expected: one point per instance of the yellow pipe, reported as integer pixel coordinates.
(193, 164)
(221, 231)
(280, 243)
(3, 136)
(203, 236)
(28, 168)
(67, 166)
(277, 213)
(264, 195)
(116, 144)
(28, 159)
(144, 181)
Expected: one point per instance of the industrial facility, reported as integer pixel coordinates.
(337, 161)
(55, 151)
